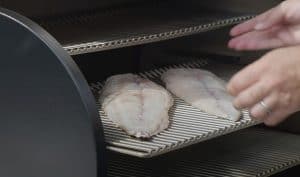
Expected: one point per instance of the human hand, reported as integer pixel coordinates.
(278, 27)
(273, 79)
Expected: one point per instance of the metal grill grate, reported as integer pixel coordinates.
(188, 125)
(101, 45)
(251, 152)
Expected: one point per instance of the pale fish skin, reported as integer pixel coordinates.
(138, 106)
(203, 90)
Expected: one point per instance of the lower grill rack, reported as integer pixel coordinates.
(188, 125)
(251, 152)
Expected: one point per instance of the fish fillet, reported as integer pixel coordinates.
(203, 90)
(136, 105)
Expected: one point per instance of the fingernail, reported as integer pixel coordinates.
(229, 89)
(235, 31)
(232, 32)
(260, 26)
(236, 105)
(230, 44)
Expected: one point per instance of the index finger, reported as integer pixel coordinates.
(243, 27)
(255, 23)
(245, 78)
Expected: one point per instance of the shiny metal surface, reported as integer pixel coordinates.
(188, 125)
(128, 26)
(252, 152)
(101, 45)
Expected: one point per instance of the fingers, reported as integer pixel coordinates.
(257, 40)
(269, 111)
(261, 111)
(252, 95)
(276, 117)
(243, 27)
(272, 119)
(245, 78)
(269, 19)
(264, 21)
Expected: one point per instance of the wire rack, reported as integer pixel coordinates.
(187, 126)
(253, 152)
(99, 30)
(138, 39)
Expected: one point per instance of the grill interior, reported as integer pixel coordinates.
(251, 152)
(195, 144)
(134, 25)
(188, 125)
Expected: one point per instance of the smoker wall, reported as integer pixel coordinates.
(46, 8)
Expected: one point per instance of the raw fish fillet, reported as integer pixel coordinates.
(138, 106)
(203, 90)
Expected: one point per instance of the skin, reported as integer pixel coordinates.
(278, 27)
(275, 77)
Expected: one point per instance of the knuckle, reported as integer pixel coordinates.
(257, 93)
(286, 100)
(252, 98)
(256, 115)
(275, 97)
(245, 99)
(275, 81)
(251, 95)
(285, 8)
(262, 90)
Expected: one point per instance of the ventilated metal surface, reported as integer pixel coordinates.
(188, 125)
(137, 39)
(248, 153)
(98, 31)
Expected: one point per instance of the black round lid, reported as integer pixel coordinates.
(49, 124)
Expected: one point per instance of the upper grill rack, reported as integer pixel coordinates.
(188, 125)
(99, 31)
(101, 45)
